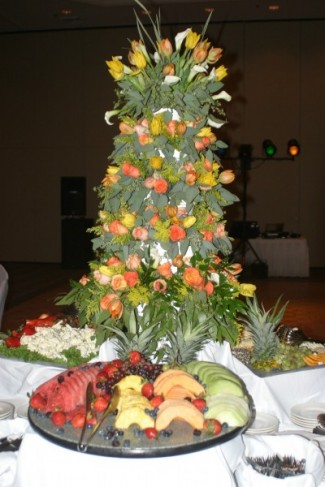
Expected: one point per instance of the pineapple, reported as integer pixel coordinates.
(262, 325)
(188, 336)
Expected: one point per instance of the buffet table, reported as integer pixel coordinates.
(40, 462)
(286, 257)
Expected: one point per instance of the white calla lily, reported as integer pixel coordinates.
(223, 95)
(195, 70)
(110, 114)
(215, 124)
(179, 38)
(156, 57)
(171, 80)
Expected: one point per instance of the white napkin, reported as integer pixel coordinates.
(284, 445)
(8, 460)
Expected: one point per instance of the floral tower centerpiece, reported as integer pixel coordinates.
(162, 281)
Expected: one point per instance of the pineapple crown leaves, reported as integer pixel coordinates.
(190, 334)
(257, 313)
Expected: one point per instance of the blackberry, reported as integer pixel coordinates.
(115, 442)
(197, 432)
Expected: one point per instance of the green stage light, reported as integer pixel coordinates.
(269, 148)
(293, 148)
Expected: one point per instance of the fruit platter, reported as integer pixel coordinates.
(136, 408)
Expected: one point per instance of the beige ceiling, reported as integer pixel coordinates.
(40, 15)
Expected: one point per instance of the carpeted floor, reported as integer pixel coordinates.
(34, 287)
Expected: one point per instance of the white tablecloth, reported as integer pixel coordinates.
(287, 257)
(40, 463)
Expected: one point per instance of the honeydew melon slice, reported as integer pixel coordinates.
(229, 409)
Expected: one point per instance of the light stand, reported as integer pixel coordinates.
(245, 157)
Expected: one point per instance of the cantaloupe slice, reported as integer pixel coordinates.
(170, 373)
(179, 392)
(185, 380)
(181, 409)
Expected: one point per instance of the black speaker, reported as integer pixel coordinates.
(73, 196)
(246, 230)
(76, 242)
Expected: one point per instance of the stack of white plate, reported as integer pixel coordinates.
(305, 415)
(263, 423)
(6, 410)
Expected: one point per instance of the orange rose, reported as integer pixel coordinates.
(131, 278)
(165, 270)
(207, 235)
(117, 228)
(193, 278)
(130, 170)
(118, 282)
(154, 219)
(112, 303)
(209, 288)
(133, 261)
(176, 233)
(160, 285)
(140, 233)
(145, 139)
(160, 186)
(113, 261)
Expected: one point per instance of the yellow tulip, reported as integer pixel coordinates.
(247, 289)
(128, 220)
(156, 162)
(138, 59)
(116, 68)
(221, 72)
(207, 179)
(104, 269)
(205, 132)
(192, 39)
(155, 126)
(111, 170)
(189, 221)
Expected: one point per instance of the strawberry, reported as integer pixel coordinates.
(91, 418)
(58, 418)
(110, 369)
(199, 403)
(101, 376)
(156, 401)
(151, 433)
(37, 401)
(117, 362)
(100, 404)
(12, 342)
(213, 426)
(147, 390)
(134, 357)
(78, 420)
